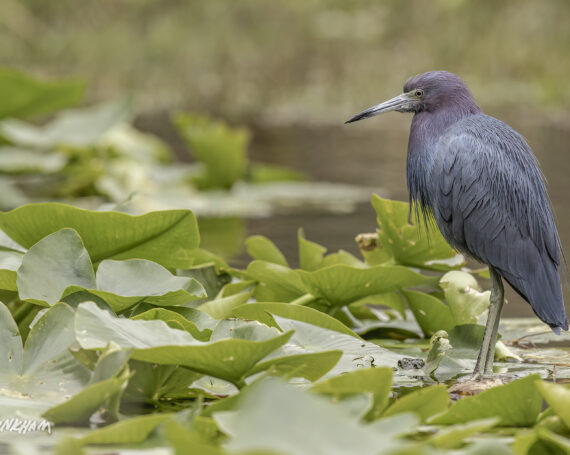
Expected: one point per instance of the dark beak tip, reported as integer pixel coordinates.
(354, 119)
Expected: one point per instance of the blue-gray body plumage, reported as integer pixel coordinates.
(481, 181)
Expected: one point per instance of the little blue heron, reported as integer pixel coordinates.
(480, 181)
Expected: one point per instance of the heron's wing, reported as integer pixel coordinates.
(490, 201)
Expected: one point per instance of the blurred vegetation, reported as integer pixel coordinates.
(291, 61)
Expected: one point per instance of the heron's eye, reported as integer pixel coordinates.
(419, 92)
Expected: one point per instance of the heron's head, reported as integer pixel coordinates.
(430, 92)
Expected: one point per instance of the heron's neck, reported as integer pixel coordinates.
(427, 127)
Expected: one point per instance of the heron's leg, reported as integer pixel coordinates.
(498, 293)
(484, 363)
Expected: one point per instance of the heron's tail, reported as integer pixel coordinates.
(543, 290)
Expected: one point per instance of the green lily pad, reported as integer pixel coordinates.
(23, 96)
(517, 404)
(558, 398)
(42, 373)
(166, 237)
(273, 416)
(276, 283)
(151, 383)
(408, 243)
(262, 312)
(425, 402)
(430, 312)
(260, 247)
(195, 322)
(10, 262)
(154, 341)
(104, 390)
(51, 265)
(310, 366)
(342, 284)
(311, 254)
(223, 307)
(222, 149)
(59, 265)
(77, 127)
(122, 284)
(463, 297)
(374, 381)
(356, 353)
(454, 435)
(132, 430)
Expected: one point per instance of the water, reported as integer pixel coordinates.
(374, 154)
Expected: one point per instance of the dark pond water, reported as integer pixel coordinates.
(374, 155)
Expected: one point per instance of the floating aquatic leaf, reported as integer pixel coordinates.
(135, 429)
(260, 247)
(262, 312)
(454, 435)
(10, 262)
(273, 416)
(50, 266)
(42, 373)
(23, 96)
(558, 398)
(77, 127)
(409, 244)
(104, 390)
(425, 402)
(223, 307)
(122, 284)
(151, 383)
(374, 381)
(276, 282)
(166, 237)
(195, 322)
(463, 297)
(430, 312)
(342, 284)
(517, 404)
(154, 341)
(356, 353)
(222, 149)
(311, 254)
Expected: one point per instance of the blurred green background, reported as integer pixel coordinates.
(293, 71)
(292, 61)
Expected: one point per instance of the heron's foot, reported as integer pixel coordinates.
(475, 385)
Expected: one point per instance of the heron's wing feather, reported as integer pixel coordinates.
(490, 201)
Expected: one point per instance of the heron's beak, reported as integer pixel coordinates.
(401, 103)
